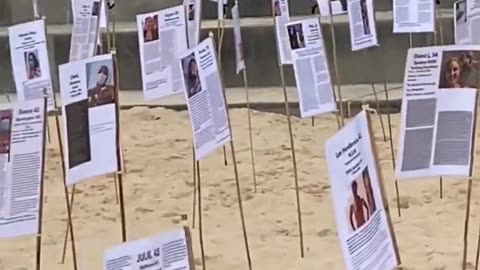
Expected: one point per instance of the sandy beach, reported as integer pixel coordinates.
(158, 190)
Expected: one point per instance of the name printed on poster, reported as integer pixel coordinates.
(75, 86)
(353, 156)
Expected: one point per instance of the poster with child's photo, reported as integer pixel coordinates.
(459, 69)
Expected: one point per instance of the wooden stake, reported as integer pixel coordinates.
(335, 63)
(294, 160)
(220, 33)
(200, 222)
(383, 191)
(469, 187)
(194, 187)
(378, 111)
(252, 155)
(235, 169)
(38, 254)
(392, 150)
(292, 144)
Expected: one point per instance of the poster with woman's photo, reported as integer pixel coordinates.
(90, 120)
(438, 112)
(364, 225)
(30, 62)
(361, 17)
(205, 100)
(161, 36)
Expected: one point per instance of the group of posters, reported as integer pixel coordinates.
(90, 112)
(436, 133)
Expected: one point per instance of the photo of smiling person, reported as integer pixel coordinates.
(101, 90)
(459, 69)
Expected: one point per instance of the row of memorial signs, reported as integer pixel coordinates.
(436, 134)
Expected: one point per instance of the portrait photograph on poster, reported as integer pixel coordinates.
(276, 8)
(295, 36)
(365, 20)
(191, 12)
(361, 201)
(461, 11)
(459, 69)
(96, 8)
(32, 64)
(150, 29)
(5, 130)
(101, 89)
(191, 75)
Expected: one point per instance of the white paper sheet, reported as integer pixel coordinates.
(162, 35)
(282, 16)
(413, 16)
(22, 133)
(466, 22)
(89, 118)
(314, 86)
(363, 32)
(438, 105)
(85, 32)
(220, 8)
(363, 228)
(169, 251)
(193, 11)
(337, 7)
(205, 101)
(237, 35)
(30, 62)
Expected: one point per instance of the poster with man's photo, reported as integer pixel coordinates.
(161, 36)
(30, 62)
(363, 31)
(205, 100)
(90, 122)
(364, 225)
(438, 112)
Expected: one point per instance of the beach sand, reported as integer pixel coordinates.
(158, 189)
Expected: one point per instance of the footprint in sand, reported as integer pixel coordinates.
(324, 233)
